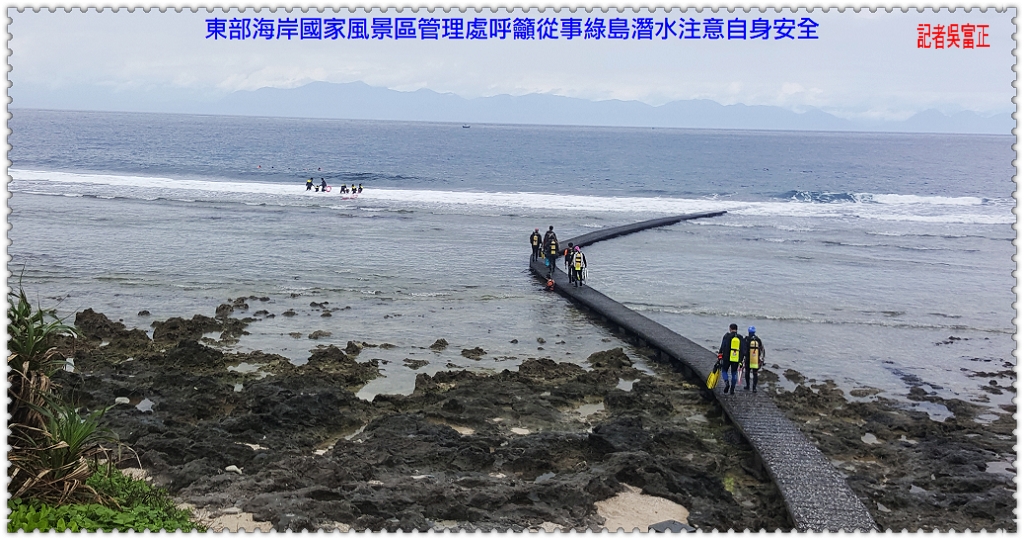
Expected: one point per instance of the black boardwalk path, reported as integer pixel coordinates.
(816, 495)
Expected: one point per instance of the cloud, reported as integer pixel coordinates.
(864, 64)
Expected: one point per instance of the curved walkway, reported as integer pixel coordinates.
(816, 495)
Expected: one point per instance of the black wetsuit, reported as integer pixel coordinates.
(551, 252)
(309, 184)
(323, 185)
(745, 355)
(728, 366)
(576, 274)
(534, 246)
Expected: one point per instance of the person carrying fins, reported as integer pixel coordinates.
(729, 355)
(577, 267)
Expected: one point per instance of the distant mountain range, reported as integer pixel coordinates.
(360, 101)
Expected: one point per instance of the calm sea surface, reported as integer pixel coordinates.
(857, 256)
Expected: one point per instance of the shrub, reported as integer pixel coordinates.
(50, 443)
(135, 505)
(53, 465)
(30, 336)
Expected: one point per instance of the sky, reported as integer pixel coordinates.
(865, 65)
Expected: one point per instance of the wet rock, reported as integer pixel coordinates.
(440, 345)
(614, 359)
(333, 361)
(176, 329)
(794, 376)
(97, 325)
(414, 364)
(624, 434)
(541, 340)
(475, 353)
(353, 348)
(223, 311)
(289, 313)
(546, 369)
(296, 335)
(317, 334)
(261, 313)
(144, 313)
(193, 357)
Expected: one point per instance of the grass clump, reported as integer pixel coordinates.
(133, 505)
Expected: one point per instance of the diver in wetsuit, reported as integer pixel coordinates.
(551, 250)
(753, 357)
(576, 266)
(535, 245)
(323, 185)
(360, 188)
(729, 354)
(309, 184)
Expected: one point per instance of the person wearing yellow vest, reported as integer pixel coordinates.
(551, 250)
(753, 357)
(729, 354)
(576, 266)
(535, 245)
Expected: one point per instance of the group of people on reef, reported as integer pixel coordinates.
(547, 248)
(736, 351)
(324, 188)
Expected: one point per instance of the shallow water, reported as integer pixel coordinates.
(857, 256)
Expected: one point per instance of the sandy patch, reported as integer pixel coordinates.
(230, 519)
(464, 430)
(137, 473)
(235, 522)
(547, 526)
(632, 510)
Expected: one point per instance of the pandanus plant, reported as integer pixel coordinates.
(50, 442)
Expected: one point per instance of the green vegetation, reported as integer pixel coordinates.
(136, 506)
(31, 335)
(53, 481)
(50, 442)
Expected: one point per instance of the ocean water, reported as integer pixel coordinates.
(857, 256)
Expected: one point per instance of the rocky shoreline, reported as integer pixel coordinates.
(913, 472)
(550, 445)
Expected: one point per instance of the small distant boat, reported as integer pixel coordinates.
(465, 126)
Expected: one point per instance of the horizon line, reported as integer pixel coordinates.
(11, 108)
